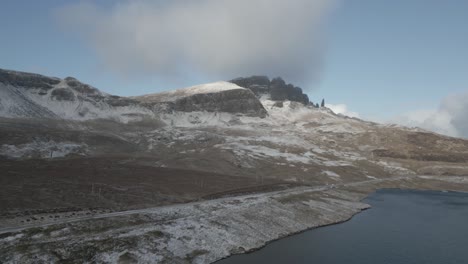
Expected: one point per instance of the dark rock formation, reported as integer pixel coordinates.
(236, 101)
(63, 94)
(232, 101)
(117, 101)
(82, 88)
(276, 88)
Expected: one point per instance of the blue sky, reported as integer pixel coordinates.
(381, 58)
(386, 57)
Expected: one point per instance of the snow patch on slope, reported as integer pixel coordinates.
(394, 168)
(86, 110)
(323, 119)
(210, 119)
(14, 102)
(262, 152)
(208, 88)
(42, 149)
(22, 102)
(289, 111)
(331, 174)
(343, 128)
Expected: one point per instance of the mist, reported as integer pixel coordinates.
(450, 118)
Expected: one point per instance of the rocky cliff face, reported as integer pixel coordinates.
(213, 97)
(276, 89)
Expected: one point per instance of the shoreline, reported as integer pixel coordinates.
(295, 233)
(208, 231)
(356, 213)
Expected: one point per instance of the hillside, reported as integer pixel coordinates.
(68, 149)
(26, 95)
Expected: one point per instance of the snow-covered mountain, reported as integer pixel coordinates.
(70, 153)
(26, 95)
(244, 127)
(212, 97)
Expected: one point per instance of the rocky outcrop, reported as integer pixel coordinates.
(233, 101)
(63, 94)
(213, 97)
(276, 89)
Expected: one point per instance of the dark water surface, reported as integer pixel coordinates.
(403, 226)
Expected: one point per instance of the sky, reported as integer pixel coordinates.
(401, 61)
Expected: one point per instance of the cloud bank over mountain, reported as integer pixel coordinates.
(218, 38)
(451, 118)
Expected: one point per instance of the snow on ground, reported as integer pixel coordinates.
(340, 128)
(42, 149)
(277, 138)
(331, 174)
(14, 103)
(82, 109)
(336, 163)
(324, 119)
(200, 232)
(261, 152)
(290, 111)
(174, 95)
(394, 168)
(199, 119)
(21, 102)
(214, 119)
(405, 128)
(7, 104)
(246, 149)
(260, 138)
(455, 179)
(345, 155)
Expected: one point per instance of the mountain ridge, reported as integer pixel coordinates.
(127, 164)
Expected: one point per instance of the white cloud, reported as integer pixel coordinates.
(218, 38)
(342, 109)
(451, 118)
